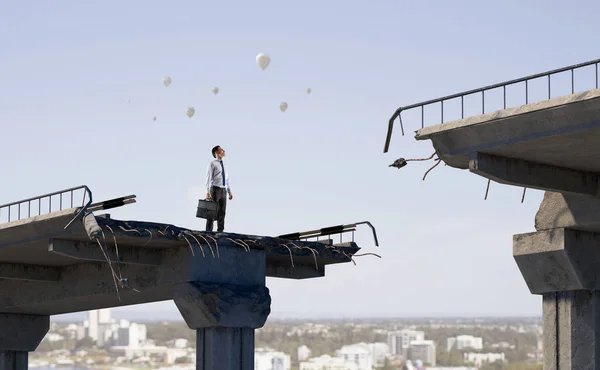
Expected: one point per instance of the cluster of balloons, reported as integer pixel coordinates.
(262, 60)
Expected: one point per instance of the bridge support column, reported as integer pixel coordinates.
(571, 322)
(562, 265)
(224, 317)
(19, 335)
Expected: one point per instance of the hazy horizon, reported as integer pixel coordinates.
(134, 315)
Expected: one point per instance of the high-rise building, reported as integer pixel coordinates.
(131, 335)
(93, 324)
(423, 350)
(399, 341)
(98, 323)
(379, 351)
(104, 316)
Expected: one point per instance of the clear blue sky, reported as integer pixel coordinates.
(69, 69)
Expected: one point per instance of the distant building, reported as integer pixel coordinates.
(104, 316)
(503, 345)
(423, 350)
(53, 337)
(98, 322)
(92, 325)
(303, 353)
(131, 335)
(463, 342)
(327, 362)
(360, 354)
(379, 352)
(268, 359)
(479, 358)
(399, 341)
(81, 332)
(179, 343)
(539, 348)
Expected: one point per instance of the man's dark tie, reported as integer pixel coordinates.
(223, 172)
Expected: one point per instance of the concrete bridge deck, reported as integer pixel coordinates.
(552, 145)
(216, 280)
(47, 270)
(549, 145)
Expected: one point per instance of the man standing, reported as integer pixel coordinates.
(217, 184)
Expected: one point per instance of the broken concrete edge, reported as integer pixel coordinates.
(323, 253)
(205, 305)
(426, 132)
(568, 210)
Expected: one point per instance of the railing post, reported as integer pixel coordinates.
(482, 90)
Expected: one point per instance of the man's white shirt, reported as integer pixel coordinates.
(215, 175)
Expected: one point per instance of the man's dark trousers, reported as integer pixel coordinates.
(219, 195)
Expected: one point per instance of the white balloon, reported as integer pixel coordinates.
(215, 90)
(190, 112)
(308, 90)
(263, 60)
(283, 106)
(166, 81)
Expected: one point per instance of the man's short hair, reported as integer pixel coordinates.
(214, 150)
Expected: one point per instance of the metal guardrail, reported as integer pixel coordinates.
(328, 231)
(482, 90)
(65, 197)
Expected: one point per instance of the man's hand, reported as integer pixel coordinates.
(230, 196)
(208, 196)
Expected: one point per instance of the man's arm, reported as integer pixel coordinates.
(228, 187)
(209, 177)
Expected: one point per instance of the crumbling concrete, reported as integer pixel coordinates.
(217, 280)
(224, 317)
(575, 211)
(548, 145)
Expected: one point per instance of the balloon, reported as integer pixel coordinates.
(154, 118)
(215, 90)
(308, 90)
(283, 106)
(167, 81)
(190, 112)
(263, 60)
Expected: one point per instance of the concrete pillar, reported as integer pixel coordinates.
(19, 335)
(563, 265)
(571, 323)
(224, 317)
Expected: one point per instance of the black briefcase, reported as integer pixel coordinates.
(207, 209)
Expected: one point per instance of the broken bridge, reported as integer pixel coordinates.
(551, 145)
(57, 257)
